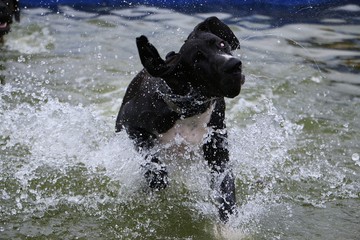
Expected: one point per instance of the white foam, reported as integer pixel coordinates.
(348, 8)
(38, 41)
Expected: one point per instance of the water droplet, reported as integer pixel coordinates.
(316, 79)
(21, 59)
(355, 157)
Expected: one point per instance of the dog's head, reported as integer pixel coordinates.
(8, 10)
(205, 60)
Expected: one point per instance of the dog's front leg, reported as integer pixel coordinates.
(154, 171)
(217, 154)
(227, 197)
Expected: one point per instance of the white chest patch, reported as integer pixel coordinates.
(190, 130)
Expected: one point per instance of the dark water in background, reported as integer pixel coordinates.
(64, 174)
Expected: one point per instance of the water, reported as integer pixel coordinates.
(294, 130)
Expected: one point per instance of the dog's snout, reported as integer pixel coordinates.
(232, 65)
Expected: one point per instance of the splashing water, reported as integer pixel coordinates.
(293, 132)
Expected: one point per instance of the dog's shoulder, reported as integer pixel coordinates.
(143, 105)
(143, 84)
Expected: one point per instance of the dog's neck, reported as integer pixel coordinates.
(186, 105)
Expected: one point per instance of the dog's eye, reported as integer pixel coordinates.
(224, 47)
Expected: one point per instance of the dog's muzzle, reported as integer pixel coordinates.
(231, 77)
(233, 66)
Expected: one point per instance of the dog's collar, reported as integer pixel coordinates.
(186, 105)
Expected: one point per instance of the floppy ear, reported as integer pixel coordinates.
(218, 28)
(150, 58)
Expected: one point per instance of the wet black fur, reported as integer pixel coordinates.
(185, 84)
(9, 9)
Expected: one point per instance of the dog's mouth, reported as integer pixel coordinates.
(242, 79)
(5, 19)
(4, 26)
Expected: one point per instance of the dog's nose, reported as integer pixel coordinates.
(232, 65)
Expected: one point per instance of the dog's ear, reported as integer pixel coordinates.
(151, 59)
(218, 28)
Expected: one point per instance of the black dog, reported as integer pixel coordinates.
(8, 10)
(181, 95)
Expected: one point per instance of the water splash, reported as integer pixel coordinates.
(35, 40)
(292, 139)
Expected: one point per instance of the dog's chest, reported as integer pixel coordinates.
(190, 130)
